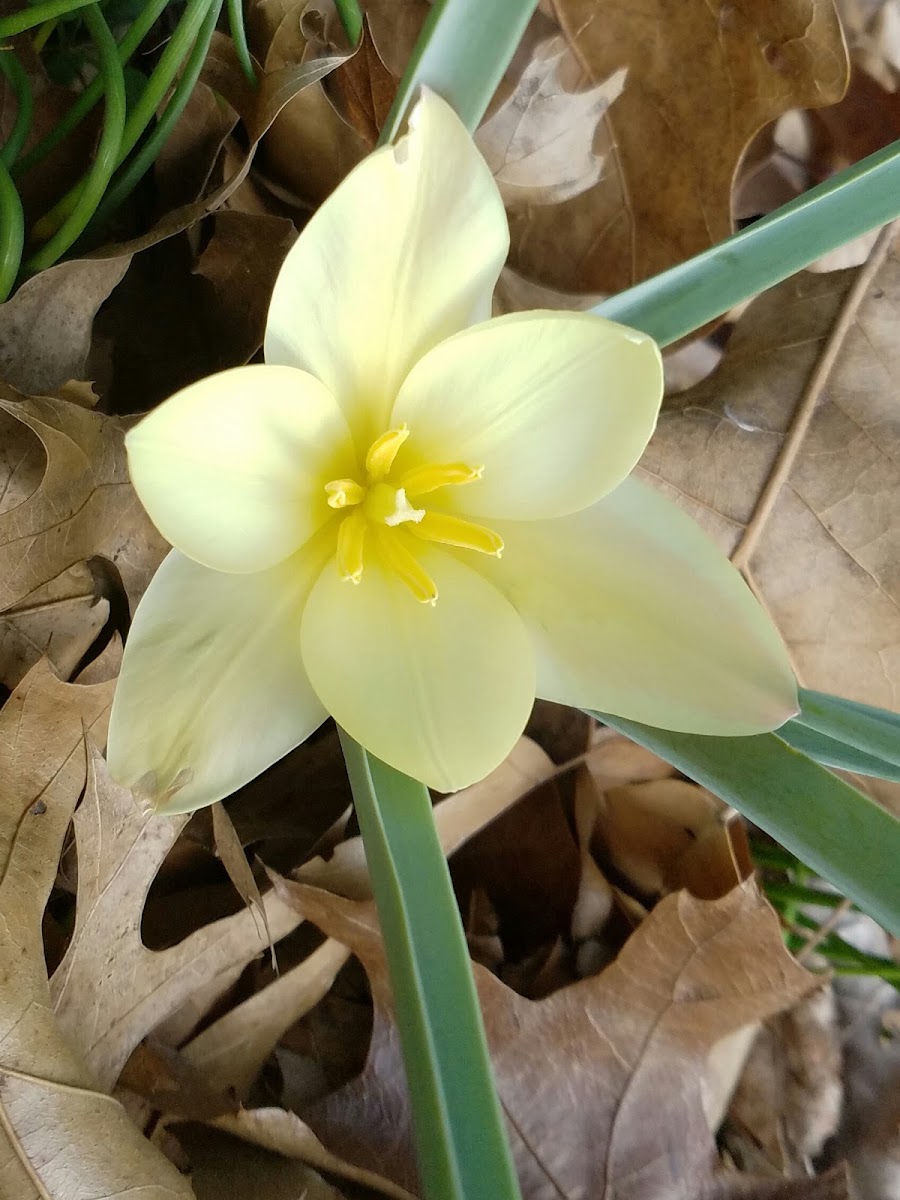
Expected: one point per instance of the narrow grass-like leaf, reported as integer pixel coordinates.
(832, 752)
(848, 838)
(875, 731)
(684, 298)
(460, 1139)
(464, 48)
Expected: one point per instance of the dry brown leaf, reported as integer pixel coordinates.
(540, 143)
(703, 78)
(83, 506)
(45, 329)
(223, 1166)
(788, 455)
(59, 620)
(581, 1074)
(458, 819)
(232, 1050)
(363, 90)
(59, 1135)
(110, 991)
(181, 171)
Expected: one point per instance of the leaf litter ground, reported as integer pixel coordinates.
(631, 974)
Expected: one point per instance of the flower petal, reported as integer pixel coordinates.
(557, 407)
(634, 611)
(439, 691)
(404, 253)
(232, 469)
(212, 689)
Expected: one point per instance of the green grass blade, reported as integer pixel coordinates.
(12, 232)
(684, 298)
(832, 752)
(874, 731)
(843, 835)
(351, 19)
(464, 48)
(461, 1144)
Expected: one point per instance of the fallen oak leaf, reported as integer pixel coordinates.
(787, 455)
(704, 77)
(45, 329)
(601, 1082)
(59, 1135)
(233, 1049)
(83, 506)
(540, 143)
(110, 991)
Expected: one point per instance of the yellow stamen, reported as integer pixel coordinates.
(383, 451)
(350, 540)
(455, 531)
(420, 480)
(342, 493)
(398, 558)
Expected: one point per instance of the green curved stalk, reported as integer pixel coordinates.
(460, 1140)
(135, 170)
(351, 19)
(462, 52)
(838, 831)
(18, 80)
(239, 39)
(37, 14)
(144, 110)
(75, 114)
(675, 303)
(12, 233)
(94, 185)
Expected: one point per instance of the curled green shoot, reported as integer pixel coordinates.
(134, 171)
(18, 80)
(73, 116)
(87, 197)
(12, 232)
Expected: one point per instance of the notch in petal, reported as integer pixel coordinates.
(403, 254)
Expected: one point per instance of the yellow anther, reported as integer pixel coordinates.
(455, 531)
(398, 558)
(420, 480)
(342, 493)
(350, 541)
(383, 451)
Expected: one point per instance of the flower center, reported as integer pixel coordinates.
(383, 516)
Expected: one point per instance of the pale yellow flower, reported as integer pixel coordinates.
(339, 516)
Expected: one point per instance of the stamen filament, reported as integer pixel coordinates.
(456, 531)
(342, 493)
(418, 481)
(351, 538)
(398, 558)
(383, 451)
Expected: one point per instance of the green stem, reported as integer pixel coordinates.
(18, 80)
(239, 39)
(12, 232)
(463, 50)
(144, 110)
(460, 1139)
(37, 14)
(671, 305)
(135, 170)
(94, 185)
(351, 19)
(72, 118)
(795, 893)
